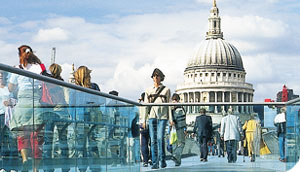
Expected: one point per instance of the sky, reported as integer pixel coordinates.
(123, 41)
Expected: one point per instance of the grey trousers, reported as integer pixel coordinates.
(179, 144)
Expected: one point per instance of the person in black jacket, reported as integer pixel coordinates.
(203, 129)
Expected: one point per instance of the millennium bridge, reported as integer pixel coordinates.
(94, 131)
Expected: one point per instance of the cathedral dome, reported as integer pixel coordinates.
(215, 54)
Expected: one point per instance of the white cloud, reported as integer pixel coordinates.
(252, 26)
(54, 34)
(259, 68)
(124, 51)
(4, 21)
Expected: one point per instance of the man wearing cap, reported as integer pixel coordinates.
(158, 117)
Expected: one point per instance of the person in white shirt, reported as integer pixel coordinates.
(231, 132)
(280, 123)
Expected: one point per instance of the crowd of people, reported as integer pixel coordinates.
(40, 120)
(230, 136)
(31, 130)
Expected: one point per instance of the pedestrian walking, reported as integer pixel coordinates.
(179, 120)
(158, 117)
(203, 129)
(231, 132)
(280, 123)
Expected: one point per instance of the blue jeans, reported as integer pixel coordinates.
(231, 147)
(145, 145)
(157, 129)
(281, 139)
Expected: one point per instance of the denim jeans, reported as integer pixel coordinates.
(145, 145)
(157, 129)
(281, 139)
(231, 147)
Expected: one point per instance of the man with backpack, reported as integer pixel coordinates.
(179, 119)
(158, 117)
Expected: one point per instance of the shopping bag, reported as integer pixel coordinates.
(264, 148)
(173, 135)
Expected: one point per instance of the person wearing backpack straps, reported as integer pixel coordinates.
(158, 117)
(179, 118)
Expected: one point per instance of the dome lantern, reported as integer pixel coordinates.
(214, 31)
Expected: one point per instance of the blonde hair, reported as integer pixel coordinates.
(82, 77)
(55, 70)
(283, 110)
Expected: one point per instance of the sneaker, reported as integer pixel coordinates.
(282, 160)
(155, 166)
(201, 159)
(177, 164)
(145, 164)
(163, 164)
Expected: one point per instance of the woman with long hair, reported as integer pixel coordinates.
(27, 121)
(57, 117)
(85, 137)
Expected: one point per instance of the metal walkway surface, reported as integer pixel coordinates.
(215, 164)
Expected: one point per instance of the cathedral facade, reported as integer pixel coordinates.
(215, 72)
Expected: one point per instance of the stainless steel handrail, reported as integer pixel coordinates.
(217, 104)
(87, 90)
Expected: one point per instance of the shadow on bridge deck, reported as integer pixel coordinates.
(215, 164)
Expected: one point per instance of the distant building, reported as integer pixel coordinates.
(285, 95)
(71, 77)
(215, 73)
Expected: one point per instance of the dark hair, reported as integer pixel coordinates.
(26, 56)
(159, 73)
(202, 110)
(143, 95)
(113, 92)
(176, 97)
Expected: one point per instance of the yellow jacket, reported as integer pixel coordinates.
(250, 126)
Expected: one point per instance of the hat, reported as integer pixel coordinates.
(159, 73)
(114, 92)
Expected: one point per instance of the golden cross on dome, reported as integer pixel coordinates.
(214, 3)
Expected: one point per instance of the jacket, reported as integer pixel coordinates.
(179, 118)
(159, 112)
(203, 126)
(231, 128)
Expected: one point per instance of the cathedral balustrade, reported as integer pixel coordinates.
(191, 85)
